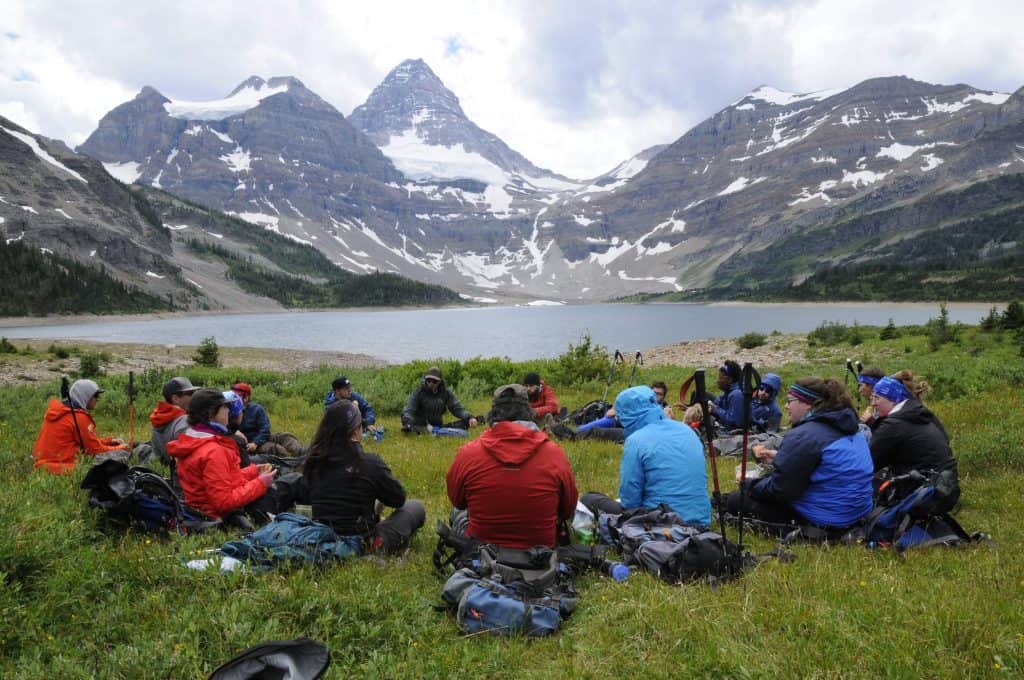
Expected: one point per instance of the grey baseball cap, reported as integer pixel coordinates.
(178, 385)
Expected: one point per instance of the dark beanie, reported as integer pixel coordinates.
(433, 372)
(510, 403)
(532, 378)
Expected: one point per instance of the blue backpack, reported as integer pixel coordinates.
(908, 524)
(292, 539)
(511, 592)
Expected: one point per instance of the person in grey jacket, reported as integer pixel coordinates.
(169, 417)
(426, 406)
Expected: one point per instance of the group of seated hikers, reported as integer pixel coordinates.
(513, 485)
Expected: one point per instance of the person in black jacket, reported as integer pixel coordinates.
(427, 404)
(345, 484)
(909, 437)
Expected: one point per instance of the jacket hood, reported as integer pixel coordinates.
(637, 407)
(164, 414)
(844, 420)
(510, 443)
(188, 442)
(915, 412)
(57, 410)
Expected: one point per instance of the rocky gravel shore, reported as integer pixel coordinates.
(777, 350)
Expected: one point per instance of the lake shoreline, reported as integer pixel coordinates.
(63, 319)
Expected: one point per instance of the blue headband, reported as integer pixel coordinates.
(892, 389)
(804, 394)
(867, 379)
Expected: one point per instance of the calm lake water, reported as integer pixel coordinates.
(516, 332)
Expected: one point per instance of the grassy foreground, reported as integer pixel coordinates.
(78, 603)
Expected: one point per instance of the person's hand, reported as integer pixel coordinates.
(711, 406)
(265, 467)
(868, 414)
(764, 454)
(250, 447)
(472, 422)
(372, 429)
(669, 413)
(610, 413)
(267, 478)
(116, 441)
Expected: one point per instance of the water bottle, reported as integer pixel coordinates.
(617, 570)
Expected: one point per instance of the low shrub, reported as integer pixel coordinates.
(751, 340)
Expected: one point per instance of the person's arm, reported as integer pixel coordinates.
(796, 460)
(456, 407)
(389, 490)
(369, 417)
(259, 422)
(884, 444)
(227, 487)
(92, 444)
(731, 413)
(411, 407)
(568, 493)
(455, 482)
(547, 404)
(631, 477)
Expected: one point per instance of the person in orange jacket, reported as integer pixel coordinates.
(68, 428)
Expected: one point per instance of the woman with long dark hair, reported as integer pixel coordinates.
(822, 470)
(345, 484)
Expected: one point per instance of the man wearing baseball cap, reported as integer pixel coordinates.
(255, 421)
(426, 406)
(68, 428)
(170, 418)
(341, 388)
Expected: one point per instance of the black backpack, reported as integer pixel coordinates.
(298, 659)
(140, 498)
(663, 544)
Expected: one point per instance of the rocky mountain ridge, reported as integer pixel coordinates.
(408, 184)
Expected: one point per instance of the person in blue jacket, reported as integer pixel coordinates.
(765, 413)
(255, 421)
(727, 408)
(822, 470)
(662, 462)
(341, 388)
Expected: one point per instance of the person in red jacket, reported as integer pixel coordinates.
(514, 482)
(208, 463)
(542, 398)
(68, 428)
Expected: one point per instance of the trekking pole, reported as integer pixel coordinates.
(131, 410)
(617, 358)
(638, 359)
(846, 377)
(65, 394)
(709, 433)
(750, 379)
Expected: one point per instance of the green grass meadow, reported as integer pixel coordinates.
(77, 602)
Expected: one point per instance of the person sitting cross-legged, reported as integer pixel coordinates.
(662, 463)
(425, 408)
(346, 483)
(511, 486)
(341, 388)
(255, 421)
(68, 428)
(822, 471)
(542, 399)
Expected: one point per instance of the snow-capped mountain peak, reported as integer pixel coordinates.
(246, 96)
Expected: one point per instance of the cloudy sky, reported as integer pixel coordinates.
(575, 86)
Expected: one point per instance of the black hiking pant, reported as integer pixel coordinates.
(395, 532)
(773, 512)
(600, 504)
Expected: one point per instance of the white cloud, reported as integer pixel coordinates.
(576, 86)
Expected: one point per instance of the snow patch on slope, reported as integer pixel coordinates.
(740, 184)
(126, 172)
(219, 109)
(41, 153)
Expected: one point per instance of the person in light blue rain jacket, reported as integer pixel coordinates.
(662, 462)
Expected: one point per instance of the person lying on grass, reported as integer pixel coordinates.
(345, 485)
(68, 428)
(822, 470)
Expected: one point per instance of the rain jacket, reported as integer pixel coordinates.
(765, 414)
(58, 440)
(427, 408)
(911, 438)
(369, 417)
(255, 424)
(168, 422)
(209, 472)
(663, 460)
(823, 469)
(729, 408)
(544, 402)
(516, 483)
(344, 496)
